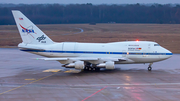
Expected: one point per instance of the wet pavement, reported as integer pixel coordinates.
(23, 78)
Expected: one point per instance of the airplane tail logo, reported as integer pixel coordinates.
(41, 38)
(29, 32)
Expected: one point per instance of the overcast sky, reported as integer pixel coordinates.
(90, 1)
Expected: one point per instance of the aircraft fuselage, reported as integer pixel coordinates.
(135, 52)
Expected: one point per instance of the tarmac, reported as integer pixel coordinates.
(23, 78)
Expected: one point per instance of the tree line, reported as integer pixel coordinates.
(87, 13)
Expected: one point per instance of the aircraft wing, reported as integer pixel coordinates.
(83, 59)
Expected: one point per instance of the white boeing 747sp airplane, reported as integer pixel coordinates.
(87, 56)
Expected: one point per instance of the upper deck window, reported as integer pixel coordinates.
(156, 45)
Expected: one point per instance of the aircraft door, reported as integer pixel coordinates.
(146, 50)
(68, 47)
(149, 47)
(124, 53)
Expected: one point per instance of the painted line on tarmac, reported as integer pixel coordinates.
(126, 84)
(28, 83)
(30, 79)
(52, 70)
(62, 71)
(72, 71)
(94, 93)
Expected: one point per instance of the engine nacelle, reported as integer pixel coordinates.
(107, 65)
(76, 65)
(110, 65)
(71, 65)
(79, 65)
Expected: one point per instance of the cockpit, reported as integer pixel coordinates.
(156, 45)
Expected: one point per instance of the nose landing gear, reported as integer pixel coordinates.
(150, 68)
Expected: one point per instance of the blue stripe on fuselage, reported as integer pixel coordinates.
(89, 52)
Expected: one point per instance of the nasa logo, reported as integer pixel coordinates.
(27, 31)
(41, 38)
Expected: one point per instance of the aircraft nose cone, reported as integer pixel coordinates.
(169, 53)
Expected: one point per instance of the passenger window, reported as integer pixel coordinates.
(156, 45)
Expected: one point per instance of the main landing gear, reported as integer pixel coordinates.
(150, 68)
(91, 67)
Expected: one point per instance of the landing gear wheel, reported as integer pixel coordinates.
(91, 67)
(97, 69)
(86, 68)
(149, 68)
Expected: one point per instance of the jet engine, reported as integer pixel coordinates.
(107, 65)
(76, 65)
(79, 65)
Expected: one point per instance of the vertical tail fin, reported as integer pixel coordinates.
(29, 32)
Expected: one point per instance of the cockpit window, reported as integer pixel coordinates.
(156, 45)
